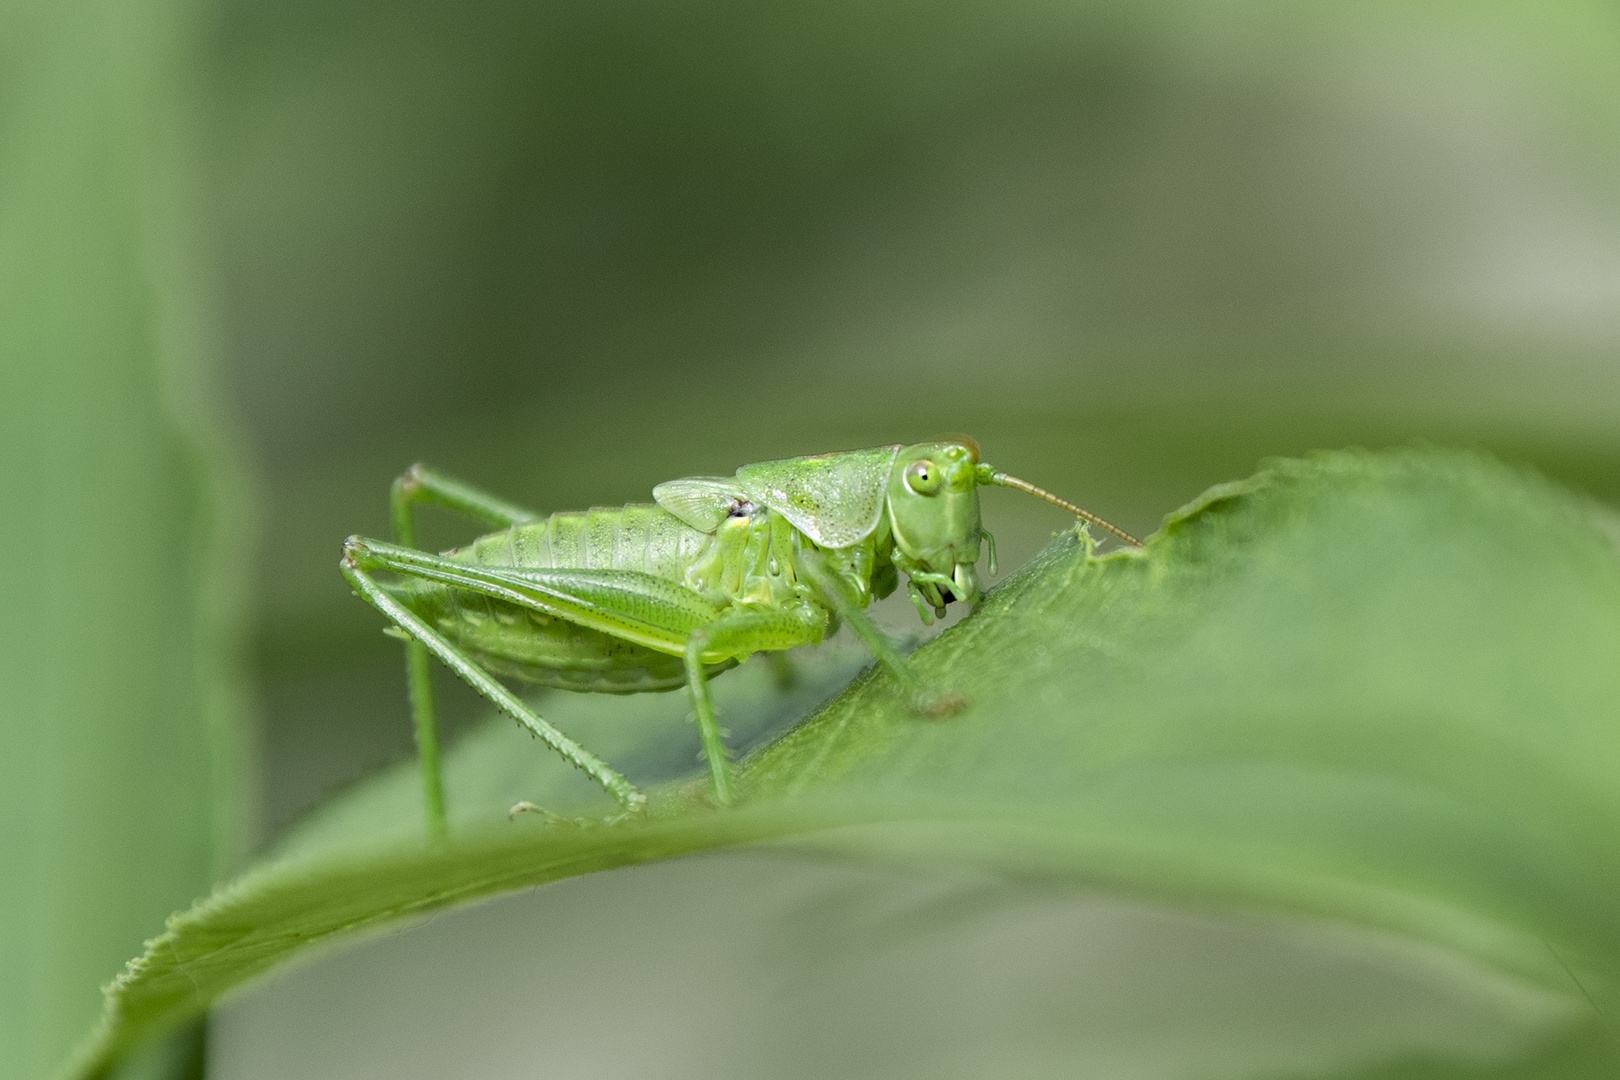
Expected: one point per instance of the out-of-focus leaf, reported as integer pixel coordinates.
(117, 762)
(650, 736)
(1380, 688)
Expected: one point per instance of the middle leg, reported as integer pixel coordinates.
(744, 631)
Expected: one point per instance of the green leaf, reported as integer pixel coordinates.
(1383, 689)
(118, 759)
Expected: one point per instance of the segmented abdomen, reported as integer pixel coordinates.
(512, 640)
(639, 536)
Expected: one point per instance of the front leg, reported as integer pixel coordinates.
(811, 566)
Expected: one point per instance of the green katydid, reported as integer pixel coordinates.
(659, 595)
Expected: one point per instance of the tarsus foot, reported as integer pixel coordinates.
(939, 706)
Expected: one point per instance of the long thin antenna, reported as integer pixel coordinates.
(1001, 479)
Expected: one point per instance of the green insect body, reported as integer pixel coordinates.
(529, 644)
(650, 597)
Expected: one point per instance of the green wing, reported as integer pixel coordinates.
(701, 501)
(834, 499)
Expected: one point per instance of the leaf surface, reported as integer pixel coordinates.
(119, 756)
(1382, 689)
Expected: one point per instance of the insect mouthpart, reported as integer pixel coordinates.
(965, 582)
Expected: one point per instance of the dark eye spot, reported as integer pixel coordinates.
(922, 478)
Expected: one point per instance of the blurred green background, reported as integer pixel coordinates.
(569, 250)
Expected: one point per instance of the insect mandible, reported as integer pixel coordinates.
(654, 596)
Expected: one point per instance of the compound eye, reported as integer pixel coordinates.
(923, 477)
